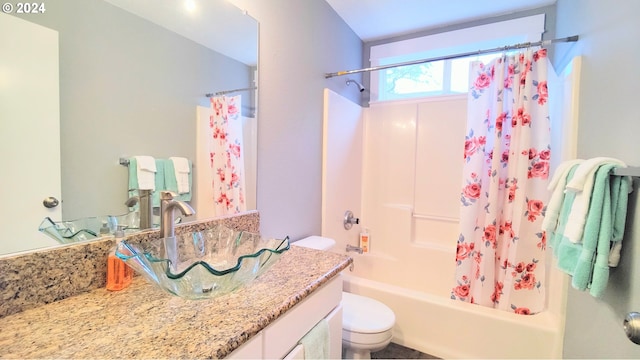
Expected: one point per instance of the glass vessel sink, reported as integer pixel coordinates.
(203, 264)
(89, 228)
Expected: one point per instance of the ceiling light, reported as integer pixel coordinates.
(190, 5)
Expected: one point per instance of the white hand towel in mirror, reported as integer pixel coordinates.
(146, 169)
(182, 170)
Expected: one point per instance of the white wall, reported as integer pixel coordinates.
(341, 168)
(608, 126)
(300, 41)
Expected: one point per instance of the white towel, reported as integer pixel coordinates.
(582, 184)
(182, 170)
(557, 185)
(614, 253)
(586, 171)
(146, 171)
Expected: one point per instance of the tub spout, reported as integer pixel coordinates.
(354, 248)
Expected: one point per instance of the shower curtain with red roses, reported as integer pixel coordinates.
(225, 154)
(501, 247)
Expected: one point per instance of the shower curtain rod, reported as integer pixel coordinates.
(230, 91)
(455, 56)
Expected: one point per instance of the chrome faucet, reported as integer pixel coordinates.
(167, 206)
(146, 208)
(167, 225)
(354, 248)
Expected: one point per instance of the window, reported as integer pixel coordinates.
(443, 77)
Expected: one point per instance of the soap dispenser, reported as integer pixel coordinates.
(365, 241)
(104, 229)
(119, 274)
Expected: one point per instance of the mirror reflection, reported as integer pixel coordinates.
(131, 77)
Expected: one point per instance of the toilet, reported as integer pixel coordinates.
(366, 322)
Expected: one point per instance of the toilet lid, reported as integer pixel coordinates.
(365, 315)
(315, 242)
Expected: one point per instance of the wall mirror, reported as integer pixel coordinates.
(131, 75)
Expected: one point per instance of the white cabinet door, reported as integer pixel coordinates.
(296, 354)
(29, 109)
(335, 333)
(284, 333)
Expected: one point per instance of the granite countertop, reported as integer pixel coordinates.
(142, 321)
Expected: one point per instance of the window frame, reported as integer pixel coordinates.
(520, 30)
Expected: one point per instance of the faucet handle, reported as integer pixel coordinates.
(167, 195)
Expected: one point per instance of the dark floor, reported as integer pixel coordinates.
(395, 351)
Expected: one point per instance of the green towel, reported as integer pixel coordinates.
(600, 278)
(588, 261)
(316, 341)
(620, 201)
(598, 229)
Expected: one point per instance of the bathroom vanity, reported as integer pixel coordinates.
(264, 319)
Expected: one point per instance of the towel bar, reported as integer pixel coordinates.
(628, 171)
(125, 162)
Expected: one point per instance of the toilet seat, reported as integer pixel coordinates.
(365, 320)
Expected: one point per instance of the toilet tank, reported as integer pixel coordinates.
(315, 242)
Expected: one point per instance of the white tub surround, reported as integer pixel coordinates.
(407, 193)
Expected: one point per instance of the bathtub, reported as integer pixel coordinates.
(436, 325)
(413, 218)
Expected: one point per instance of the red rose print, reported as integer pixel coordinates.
(462, 252)
(535, 207)
(472, 191)
(490, 234)
(528, 281)
(461, 291)
(505, 156)
(499, 120)
(540, 54)
(482, 82)
(539, 169)
(545, 154)
(508, 82)
(522, 311)
(512, 193)
(232, 109)
(477, 256)
(542, 244)
(221, 175)
(470, 147)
